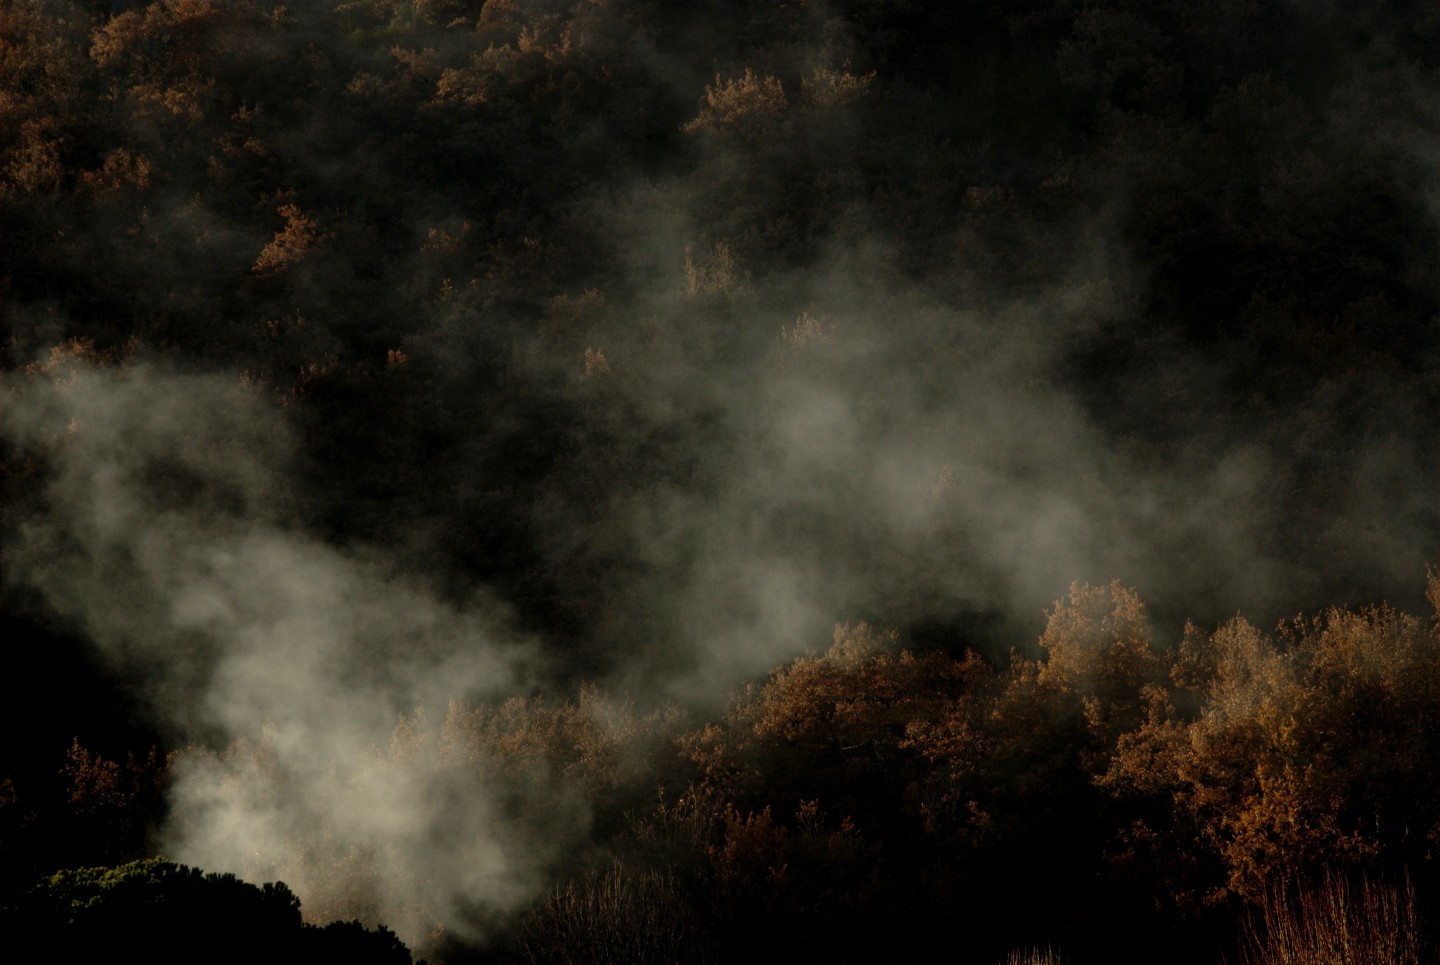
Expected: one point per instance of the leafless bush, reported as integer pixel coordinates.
(1337, 922)
(1032, 956)
(616, 915)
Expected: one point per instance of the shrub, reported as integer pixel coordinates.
(165, 912)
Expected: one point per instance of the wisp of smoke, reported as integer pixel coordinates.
(164, 537)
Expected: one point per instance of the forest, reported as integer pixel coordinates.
(522, 481)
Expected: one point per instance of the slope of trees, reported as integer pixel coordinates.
(667, 336)
(1235, 209)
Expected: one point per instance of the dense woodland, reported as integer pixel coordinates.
(615, 480)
